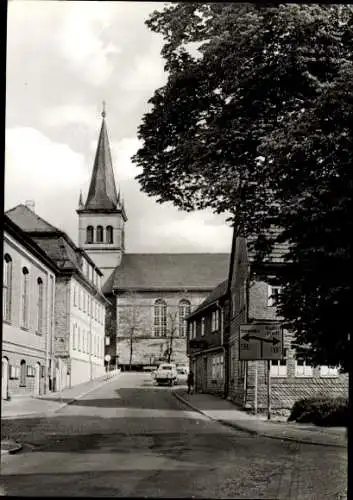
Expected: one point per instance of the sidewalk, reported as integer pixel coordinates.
(227, 413)
(52, 402)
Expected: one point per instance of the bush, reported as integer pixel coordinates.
(323, 411)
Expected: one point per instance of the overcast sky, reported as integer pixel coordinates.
(63, 60)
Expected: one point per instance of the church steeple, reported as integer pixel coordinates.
(102, 217)
(102, 190)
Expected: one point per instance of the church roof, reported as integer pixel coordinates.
(102, 192)
(173, 271)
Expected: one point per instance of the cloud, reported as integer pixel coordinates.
(58, 116)
(49, 173)
(80, 41)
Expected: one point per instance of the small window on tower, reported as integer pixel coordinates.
(99, 234)
(89, 238)
(109, 234)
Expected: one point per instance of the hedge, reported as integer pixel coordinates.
(323, 411)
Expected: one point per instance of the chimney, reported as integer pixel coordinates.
(30, 204)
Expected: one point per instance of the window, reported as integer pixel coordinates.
(215, 320)
(84, 301)
(160, 318)
(184, 310)
(40, 307)
(23, 373)
(279, 366)
(99, 234)
(302, 369)
(74, 335)
(273, 296)
(89, 234)
(75, 296)
(202, 326)
(233, 304)
(109, 234)
(7, 287)
(329, 371)
(107, 340)
(25, 297)
(79, 340)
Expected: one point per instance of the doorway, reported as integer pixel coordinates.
(5, 378)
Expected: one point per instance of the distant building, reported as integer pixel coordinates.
(28, 361)
(151, 293)
(79, 302)
(249, 298)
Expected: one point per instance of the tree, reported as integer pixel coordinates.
(211, 139)
(130, 320)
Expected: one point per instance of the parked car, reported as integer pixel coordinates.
(166, 374)
(182, 375)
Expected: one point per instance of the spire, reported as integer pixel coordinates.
(102, 190)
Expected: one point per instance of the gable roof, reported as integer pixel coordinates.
(16, 232)
(56, 244)
(217, 293)
(193, 271)
(29, 221)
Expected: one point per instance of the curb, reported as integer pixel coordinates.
(254, 432)
(15, 447)
(52, 412)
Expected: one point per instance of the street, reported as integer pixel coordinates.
(130, 438)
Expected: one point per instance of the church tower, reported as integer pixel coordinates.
(102, 217)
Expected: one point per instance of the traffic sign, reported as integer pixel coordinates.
(107, 357)
(260, 341)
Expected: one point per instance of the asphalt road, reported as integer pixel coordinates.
(132, 439)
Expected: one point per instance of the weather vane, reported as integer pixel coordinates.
(103, 112)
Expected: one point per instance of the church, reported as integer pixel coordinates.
(150, 294)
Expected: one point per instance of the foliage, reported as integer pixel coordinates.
(255, 121)
(323, 411)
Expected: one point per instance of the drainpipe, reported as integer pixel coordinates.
(47, 339)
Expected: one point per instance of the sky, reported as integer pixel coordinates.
(63, 60)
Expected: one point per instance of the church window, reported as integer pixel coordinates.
(99, 234)
(7, 287)
(160, 318)
(89, 235)
(109, 234)
(184, 310)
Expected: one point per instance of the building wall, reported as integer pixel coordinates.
(80, 326)
(285, 390)
(27, 344)
(137, 308)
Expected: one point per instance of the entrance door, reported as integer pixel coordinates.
(5, 378)
(37, 380)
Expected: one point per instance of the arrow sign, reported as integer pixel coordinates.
(273, 341)
(260, 341)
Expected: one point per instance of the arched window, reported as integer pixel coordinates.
(184, 311)
(99, 234)
(40, 305)
(109, 234)
(89, 234)
(23, 373)
(160, 318)
(7, 287)
(25, 297)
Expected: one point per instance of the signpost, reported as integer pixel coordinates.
(261, 341)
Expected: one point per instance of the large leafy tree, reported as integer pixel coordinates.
(240, 128)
